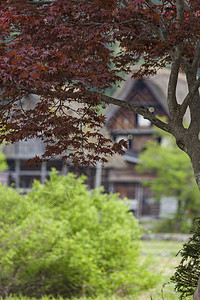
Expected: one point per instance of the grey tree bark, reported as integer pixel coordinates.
(197, 292)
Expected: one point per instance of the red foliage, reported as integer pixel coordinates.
(62, 51)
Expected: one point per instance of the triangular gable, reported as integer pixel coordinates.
(138, 92)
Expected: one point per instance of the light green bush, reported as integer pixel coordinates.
(62, 239)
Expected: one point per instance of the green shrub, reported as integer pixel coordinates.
(173, 225)
(62, 239)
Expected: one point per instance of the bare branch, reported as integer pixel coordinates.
(40, 2)
(173, 79)
(142, 110)
(125, 2)
(180, 7)
(193, 89)
(185, 65)
(177, 61)
(196, 59)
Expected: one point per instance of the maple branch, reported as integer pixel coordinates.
(150, 7)
(195, 63)
(162, 31)
(185, 65)
(125, 2)
(142, 110)
(5, 106)
(132, 20)
(193, 89)
(177, 60)
(40, 2)
(180, 7)
(173, 79)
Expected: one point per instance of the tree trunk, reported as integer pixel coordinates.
(197, 292)
(178, 215)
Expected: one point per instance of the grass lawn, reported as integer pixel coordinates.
(164, 261)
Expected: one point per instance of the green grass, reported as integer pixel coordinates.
(164, 261)
(161, 248)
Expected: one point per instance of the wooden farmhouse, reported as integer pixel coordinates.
(122, 176)
(119, 174)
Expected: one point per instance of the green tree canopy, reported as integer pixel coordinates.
(173, 174)
(3, 164)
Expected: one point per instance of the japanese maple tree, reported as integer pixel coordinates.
(61, 50)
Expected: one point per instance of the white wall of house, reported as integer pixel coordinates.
(168, 207)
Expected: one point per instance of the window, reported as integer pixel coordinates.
(121, 137)
(22, 175)
(142, 122)
(126, 189)
(24, 166)
(57, 164)
(128, 138)
(27, 181)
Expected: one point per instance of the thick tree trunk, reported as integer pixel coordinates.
(197, 292)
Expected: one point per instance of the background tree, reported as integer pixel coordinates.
(3, 163)
(174, 177)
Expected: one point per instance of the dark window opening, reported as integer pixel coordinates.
(27, 181)
(57, 164)
(24, 166)
(11, 164)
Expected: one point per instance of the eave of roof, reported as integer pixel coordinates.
(131, 158)
(135, 131)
